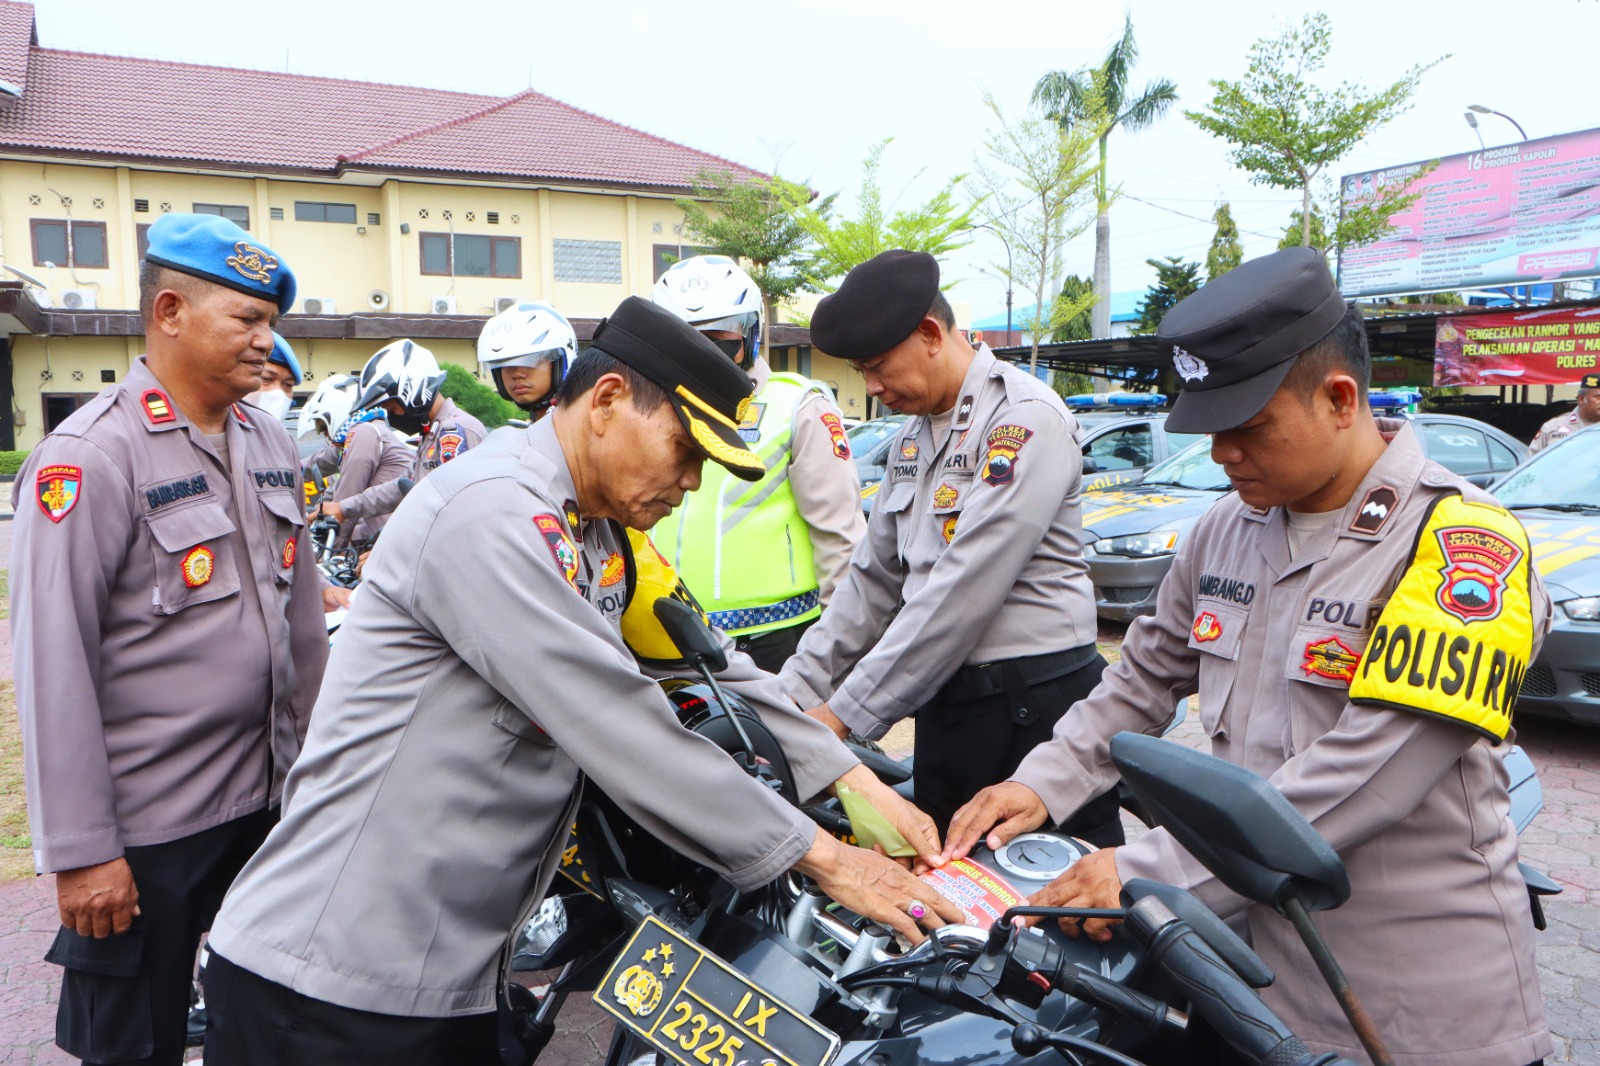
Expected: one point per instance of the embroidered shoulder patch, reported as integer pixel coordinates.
(451, 445)
(944, 497)
(198, 565)
(157, 408)
(1331, 657)
(1206, 627)
(841, 443)
(566, 556)
(1005, 444)
(1376, 506)
(58, 488)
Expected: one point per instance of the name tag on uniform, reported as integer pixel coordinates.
(699, 1011)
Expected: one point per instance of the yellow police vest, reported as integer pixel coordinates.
(742, 546)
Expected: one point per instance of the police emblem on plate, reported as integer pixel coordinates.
(58, 487)
(639, 989)
(841, 443)
(944, 496)
(198, 566)
(1476, 563)
(561, 549)
(1332, 658)
(251, 262)
(1206, 627)
(1189, 367)
(1000, 463)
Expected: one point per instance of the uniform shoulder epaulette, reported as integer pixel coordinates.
(81, 421)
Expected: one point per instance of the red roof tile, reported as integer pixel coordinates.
(16, 34)
(145, 109)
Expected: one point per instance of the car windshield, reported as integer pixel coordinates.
(1564, 478)
(1191, 468)
(867, 434)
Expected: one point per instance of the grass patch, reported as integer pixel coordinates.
(16, 846)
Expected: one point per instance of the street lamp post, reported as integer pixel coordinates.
(1480, 109)
(1472, 120)
(1002, 236)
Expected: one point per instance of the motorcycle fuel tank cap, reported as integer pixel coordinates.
(1040, 856)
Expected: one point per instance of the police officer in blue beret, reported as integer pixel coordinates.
(278, 379)
(169, 639)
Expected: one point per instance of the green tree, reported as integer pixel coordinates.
(1076, 292)
(1099, 95)
(756, 221)
(934, 226)
(1297, 232)
(476, 398)
(1225, 252)
(1287, 132)
(1175, 279)
(1035, 188)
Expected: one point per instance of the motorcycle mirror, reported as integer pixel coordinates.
(1232, 820)
(690, 634)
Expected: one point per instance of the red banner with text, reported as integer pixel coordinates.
(1530, 347)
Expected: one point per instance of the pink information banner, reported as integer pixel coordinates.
(1520, 214)
(1531, 347)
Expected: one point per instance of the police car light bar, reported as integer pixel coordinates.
(1117, 399)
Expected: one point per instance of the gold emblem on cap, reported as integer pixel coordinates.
(251, 262)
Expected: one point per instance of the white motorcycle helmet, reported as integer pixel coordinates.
(403, 371)
(328, 407)
(528, 334)
(711, 292)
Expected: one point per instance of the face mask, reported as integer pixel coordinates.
(731, 349)
(408, 423)
(273, 401)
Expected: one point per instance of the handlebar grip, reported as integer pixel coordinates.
(1144, 1013)
(1234, 1010)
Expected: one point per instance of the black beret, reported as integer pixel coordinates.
(706, 389)
(877, 306)
(1234, 340)
(1590, 381)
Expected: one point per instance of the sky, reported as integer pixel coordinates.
(807, 89)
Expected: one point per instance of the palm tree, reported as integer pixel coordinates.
(1064, 97)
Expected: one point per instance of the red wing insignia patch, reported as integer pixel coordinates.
(198, 566)
(58, 489)
(1000, 464)
(1331, 657)
(561, 548)
(157, 408)
(288, 553)
(1206, 627)
(450, 445)
(841, 443)
(1477, 561)
(1376, 507)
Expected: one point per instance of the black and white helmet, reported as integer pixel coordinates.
(404, 371)
(712, 292)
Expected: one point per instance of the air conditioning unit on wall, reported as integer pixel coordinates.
(78, 299)
(319, 305)
(505, 303)
(444, 305)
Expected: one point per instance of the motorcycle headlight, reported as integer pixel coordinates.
(1140, 545)
(1583, 609)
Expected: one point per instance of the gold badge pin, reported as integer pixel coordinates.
(251, 262)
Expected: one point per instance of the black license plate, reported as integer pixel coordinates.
(699, 1011)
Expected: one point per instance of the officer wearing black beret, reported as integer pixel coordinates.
(1587, 413)
(1333, 615)
(977, 532)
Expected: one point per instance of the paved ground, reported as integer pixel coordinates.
(1564, 841)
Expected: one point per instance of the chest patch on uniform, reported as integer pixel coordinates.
(451, 445)
(1231, 589)
(288, 553)
(58, 488)
(157, 408)
(1331, 657)
(1455, 638)
(173, 491)
(948, 529)
(945, 496)
(198, 566)
(611, 570)
(841, 443)
(566, 556)
(908, 451)
(1376, 507)
(750, 420)
(1206, 627)
(278, 479)
(1005, 445)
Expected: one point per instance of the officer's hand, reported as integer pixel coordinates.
(1008, 808)
(824, 714)
(875, 888)
(1092, 881)
(98, 900)
(334, 597)
(917, 828)
(361, 561)
(333, 510)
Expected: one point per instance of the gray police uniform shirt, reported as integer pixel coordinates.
(1558, 427)
(974, 554)
(167, 623)
(467, 689)
(452, 432)
(1436, 937)
(372, 455)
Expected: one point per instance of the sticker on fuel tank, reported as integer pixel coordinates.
(979, 891)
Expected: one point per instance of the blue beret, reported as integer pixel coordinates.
(211, 247)
(283, 355)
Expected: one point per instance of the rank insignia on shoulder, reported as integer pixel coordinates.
(1206, 627)
(198, 566)
(1005, 443)
(841, 443)
(573, 518)
(611, 570)
(963, 411)
(1332, 658)
(450, 445)
(565, 555)
(238, 412)
(1376, 507)
(157, 408)
(288, 553)
(58, 488)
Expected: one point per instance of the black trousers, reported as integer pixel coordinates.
(125, 999)
(981, 724)
(256, 1022)
(772, 649)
